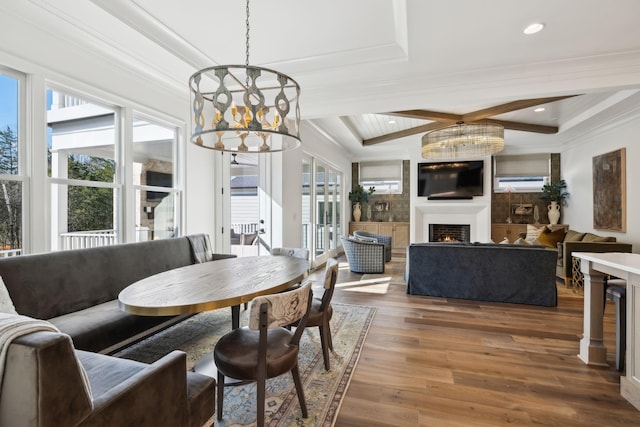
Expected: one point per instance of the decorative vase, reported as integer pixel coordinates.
(357, 212)
(368, 212)
(554, 212)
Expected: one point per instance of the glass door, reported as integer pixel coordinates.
(244, 203)
(321, 214)
(322, 234)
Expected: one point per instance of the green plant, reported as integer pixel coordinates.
(555, 193)
(359, 194)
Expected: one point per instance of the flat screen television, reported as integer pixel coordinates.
(451, 180)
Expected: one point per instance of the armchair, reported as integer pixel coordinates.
(386, 240)
(43, 386)
(363, 257)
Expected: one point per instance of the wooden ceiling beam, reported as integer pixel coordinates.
(441, 120)
(402, 133)
(525, 127)
(427, 115)
(509, 107)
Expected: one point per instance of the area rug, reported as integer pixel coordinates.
(323, 390)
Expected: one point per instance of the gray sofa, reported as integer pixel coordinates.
(483, 272)
(77, 291)
(43, 386)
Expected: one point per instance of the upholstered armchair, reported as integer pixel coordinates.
(363, 257)
(44, 385)
(385, 240)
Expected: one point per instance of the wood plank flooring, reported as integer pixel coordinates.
(445, 362)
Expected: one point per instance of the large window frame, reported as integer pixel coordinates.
(127, 189)
(37, 186)
(22, 176)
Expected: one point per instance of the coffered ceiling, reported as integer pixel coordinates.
(358, 60)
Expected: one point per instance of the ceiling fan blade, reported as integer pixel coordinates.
(509, 107)
(525, 127)
(402, 133)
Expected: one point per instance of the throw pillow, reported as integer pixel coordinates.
(522, 241)
(588, 237)
(573, 236)
(504, 241)
(533, 232)
(6, 304)
(366, 239)
(550, 238)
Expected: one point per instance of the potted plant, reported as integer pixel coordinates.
(557, 195)
(359, 194)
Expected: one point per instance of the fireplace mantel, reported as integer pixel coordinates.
(477, 215)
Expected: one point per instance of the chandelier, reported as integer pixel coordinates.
(463, 141)
(243, 108)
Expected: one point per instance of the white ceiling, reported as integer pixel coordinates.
(355, 59)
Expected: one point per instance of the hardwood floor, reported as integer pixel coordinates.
(444, 362)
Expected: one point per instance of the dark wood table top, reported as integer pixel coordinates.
(210, 285)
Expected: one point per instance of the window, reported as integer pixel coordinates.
(11, 163)
(89, 182)
(521, 173)
(154, 179)
(385, 176)
(82, 163)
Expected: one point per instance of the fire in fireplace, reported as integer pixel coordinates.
(449, 233)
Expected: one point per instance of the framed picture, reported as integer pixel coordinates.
(610, 191)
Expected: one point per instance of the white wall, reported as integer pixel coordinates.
(576, 169)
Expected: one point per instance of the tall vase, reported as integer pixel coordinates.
(554, 212)
(368, 212)
(357, 212)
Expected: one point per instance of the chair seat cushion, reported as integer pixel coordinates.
(236, 353)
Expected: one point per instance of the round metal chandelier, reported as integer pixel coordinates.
(243, 108)
(462, 141)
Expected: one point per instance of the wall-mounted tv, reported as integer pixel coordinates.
(451, 180)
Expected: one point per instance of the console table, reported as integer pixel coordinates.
(399, 231)
(626, 266)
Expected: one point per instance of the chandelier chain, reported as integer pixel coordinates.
(247, 36)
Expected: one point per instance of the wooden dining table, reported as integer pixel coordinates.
(210, 285)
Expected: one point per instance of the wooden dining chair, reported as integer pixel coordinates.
(265, 349)
(321, 311)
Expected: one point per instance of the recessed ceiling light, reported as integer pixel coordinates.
(533, 28)
(539, 110)
(392, 122)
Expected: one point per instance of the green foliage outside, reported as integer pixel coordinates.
(90, 208)
(10, 193)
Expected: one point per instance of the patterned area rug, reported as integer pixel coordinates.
(323, 390)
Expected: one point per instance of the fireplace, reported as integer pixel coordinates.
(449, 232)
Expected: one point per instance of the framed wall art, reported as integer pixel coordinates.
(610, 191)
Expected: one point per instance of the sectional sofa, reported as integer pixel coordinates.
(74, 293)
